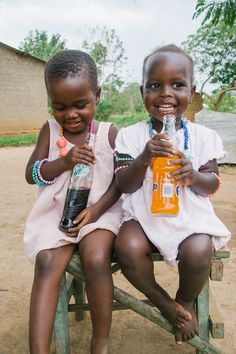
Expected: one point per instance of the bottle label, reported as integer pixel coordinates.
(80, 170)
(167, 190)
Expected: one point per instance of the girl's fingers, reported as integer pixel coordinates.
(79, 217)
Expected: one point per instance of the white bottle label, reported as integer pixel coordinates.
(167, 190)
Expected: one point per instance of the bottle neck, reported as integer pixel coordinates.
(169, 129)
(169, 125)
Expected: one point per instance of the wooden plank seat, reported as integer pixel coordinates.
(209, 320)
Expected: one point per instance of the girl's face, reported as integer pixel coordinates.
(167, 85)
(73, 102)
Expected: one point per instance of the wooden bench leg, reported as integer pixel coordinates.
(202, 307)
(216, 323)
(61, 324)
(79, 295)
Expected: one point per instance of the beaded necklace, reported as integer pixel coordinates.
(62, 142)
(184, 123)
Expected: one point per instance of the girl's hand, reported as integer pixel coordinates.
(159, 145)
(185, 173)
(79, 154)
(87, 216)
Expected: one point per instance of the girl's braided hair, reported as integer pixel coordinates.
(71, 63)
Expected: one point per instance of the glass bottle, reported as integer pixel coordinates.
(78, 191)
(165, 193)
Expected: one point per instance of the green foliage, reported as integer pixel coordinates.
(38, 44)
(107, 50)
(216, 10)
(128, 100)
(128, 120)
(103, 110)
(228, 103)
(18, 140)
(214, 52)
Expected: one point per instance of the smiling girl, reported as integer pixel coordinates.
(71, 82)
(189, 238)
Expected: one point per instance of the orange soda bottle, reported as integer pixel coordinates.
(165, 193)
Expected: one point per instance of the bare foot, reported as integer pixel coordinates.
(175, 313)
(172, 310)
(189, 330)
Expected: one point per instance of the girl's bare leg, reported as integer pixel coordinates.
(49, 268)
(95, 252)
(194, 266)
(133, 250)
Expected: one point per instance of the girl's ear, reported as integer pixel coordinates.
(98, 95)
(193, 89)
(141, 90)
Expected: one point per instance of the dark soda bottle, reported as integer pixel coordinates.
(77, 193)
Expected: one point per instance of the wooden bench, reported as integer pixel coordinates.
(209, 320)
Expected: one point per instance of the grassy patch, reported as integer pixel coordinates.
(18, 140)
(125, 121)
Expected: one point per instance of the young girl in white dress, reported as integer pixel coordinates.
(189, 238)
(71, 82)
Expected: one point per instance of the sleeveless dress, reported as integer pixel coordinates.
(196, 214)
(41, 229)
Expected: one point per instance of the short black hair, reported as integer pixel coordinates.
(170, 48)
(71, 63)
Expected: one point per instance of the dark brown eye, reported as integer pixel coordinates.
(58, 107)
(155, 86)
(177, 85)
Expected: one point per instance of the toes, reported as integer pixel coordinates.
(187, 316)
(179, 323)
(178, 337)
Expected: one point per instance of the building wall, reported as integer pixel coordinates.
(23, 99)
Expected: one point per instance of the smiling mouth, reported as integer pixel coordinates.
(166, 108)
(73, 123)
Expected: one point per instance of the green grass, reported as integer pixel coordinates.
(30, 139)
(18, 140)
(125, 121)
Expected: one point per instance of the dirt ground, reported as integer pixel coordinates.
(130, 333)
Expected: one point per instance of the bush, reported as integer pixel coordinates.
(103, 110)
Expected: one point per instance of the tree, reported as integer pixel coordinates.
(107, 50)
(216, 10)
(214, 52)
(221, 100)
(38, 44)
(129, 100)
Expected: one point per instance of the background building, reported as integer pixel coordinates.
(23, 98)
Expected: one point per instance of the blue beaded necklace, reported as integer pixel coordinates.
(184, 124)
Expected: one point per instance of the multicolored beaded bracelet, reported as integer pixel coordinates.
(218, 187)
(117, 169)
(37, 176)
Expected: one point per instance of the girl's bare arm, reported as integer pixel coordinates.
(203, 182)
(78, 154)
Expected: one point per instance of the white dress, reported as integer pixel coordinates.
(41, 229)
(196, 214)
